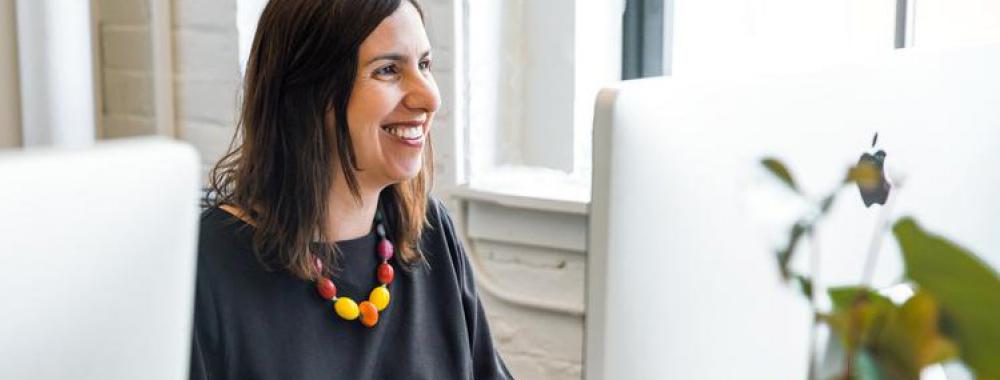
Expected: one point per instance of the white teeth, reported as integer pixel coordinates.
(406, 132)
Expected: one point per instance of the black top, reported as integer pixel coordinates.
(250, 323)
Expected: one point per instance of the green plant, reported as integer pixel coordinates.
(953, 315)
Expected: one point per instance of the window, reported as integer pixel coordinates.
(646, 38)
(534, 69)
(942, 23)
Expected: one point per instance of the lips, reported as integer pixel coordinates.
(405, 132)
(410, 133)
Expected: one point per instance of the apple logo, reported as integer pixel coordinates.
(874, 192)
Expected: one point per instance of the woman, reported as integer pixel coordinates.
(322, 256)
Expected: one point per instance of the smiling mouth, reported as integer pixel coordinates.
(406, 132)
(409, 134)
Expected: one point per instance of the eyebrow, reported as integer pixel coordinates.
(394, 57)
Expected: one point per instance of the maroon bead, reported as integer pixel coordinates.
(385, 249)
(385, 273)
(326, 288)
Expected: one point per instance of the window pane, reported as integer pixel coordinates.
(534, 71)
(940, 23)
(521, 69)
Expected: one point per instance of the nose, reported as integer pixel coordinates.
(422, 94)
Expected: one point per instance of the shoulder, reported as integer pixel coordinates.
(440, 241)
(218, 224)
(437, 211)
(439, 221)
(223, 239)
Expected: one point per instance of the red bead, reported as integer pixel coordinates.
(385, 273)
(385, 249)
(326, 288)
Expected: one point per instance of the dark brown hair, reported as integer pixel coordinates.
(281, 163)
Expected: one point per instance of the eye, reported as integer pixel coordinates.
(425, 64)
(388, 70)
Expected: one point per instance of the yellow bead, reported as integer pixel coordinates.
(379, 297)
(346, 308)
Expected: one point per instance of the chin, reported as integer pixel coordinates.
(405, 173)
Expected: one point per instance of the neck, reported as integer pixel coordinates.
(346, 217)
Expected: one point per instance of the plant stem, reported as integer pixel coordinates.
(876, 242)
(814, 266)
(867, 278)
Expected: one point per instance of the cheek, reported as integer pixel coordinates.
(370, 105)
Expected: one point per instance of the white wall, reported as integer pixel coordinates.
(10, 101)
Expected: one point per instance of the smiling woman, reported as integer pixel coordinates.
(322, 197)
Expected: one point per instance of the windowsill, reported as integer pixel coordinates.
(529, 188)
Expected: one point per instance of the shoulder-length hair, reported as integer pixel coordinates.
(281, 163)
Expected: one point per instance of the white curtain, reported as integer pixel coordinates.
(55, 56)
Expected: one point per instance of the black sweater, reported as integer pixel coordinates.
(250, 323)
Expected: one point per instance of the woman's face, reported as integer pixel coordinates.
(393, 100)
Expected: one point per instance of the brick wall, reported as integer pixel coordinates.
(206, 74)
(126, 69)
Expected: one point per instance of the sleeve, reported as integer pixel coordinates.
(486, 361)
(198, 365)
(206, 353)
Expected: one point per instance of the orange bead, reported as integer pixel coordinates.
(369, 314)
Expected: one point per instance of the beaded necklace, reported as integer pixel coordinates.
(378, 299)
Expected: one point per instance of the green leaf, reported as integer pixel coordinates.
(857, 313)
(920, 316)
(785, 255)
(899, 340)
(892, 346)
(967, 290)
(843, 297)
(872, 324)
(805, 285)
(779, 170)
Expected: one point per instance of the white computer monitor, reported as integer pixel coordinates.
(682, 280)
(97, 260)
